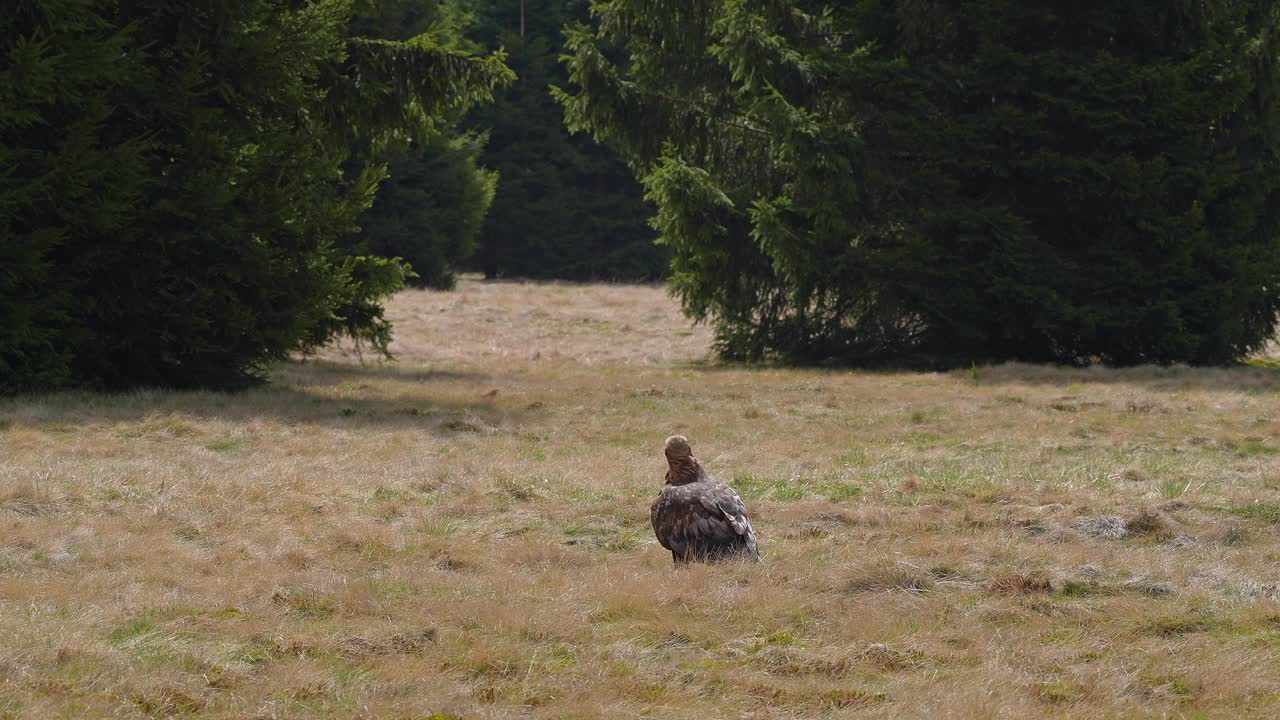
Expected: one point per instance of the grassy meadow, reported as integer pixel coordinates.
(464, 533)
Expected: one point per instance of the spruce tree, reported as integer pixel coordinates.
(66, 173)
(907, 181)
(565, 207)
(193, 173)
(429, 209)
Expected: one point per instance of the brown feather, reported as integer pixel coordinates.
(697, 517)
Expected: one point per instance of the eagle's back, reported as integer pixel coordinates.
(703, 520)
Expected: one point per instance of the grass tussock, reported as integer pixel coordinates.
(889, 576)
(1019, 584)
(464, 533)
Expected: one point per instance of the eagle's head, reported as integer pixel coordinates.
(677, 447)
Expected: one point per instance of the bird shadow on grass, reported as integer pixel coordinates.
(1256, 377)
(319, 393)
(327, 372)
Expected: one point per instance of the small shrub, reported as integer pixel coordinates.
(1148, 524)
(1019, 584)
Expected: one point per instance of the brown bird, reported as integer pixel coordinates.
(697, 517)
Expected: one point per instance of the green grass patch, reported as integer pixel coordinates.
(762, 488)
(1055, 693)
(1270, 512)
(950, 477)
(1173, 685)
(837, 491)
(922, 440)
(609, 539)
(306, 603)
(515, 489)
(607, 616)
(1084, 589)
(1169, 626)
(160, 426)
(187, 532)
(857, 456)
(392, 588)
(225, 445)
(1251, 447)
(1173, 488)
(252, 653)
(133, 630)
(781, 638)
(841, 699)
(629, 440)
(832, 485)
(166, 702)
(146, 640)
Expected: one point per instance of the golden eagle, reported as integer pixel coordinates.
(697, 517)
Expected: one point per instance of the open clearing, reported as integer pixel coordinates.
(465, 533)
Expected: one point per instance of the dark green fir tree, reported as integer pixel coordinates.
(429, 209)
(909, 181)
(566, 207)
(177, 176)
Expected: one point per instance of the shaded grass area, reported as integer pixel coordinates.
(454, 537)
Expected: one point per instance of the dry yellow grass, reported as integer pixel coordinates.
(465, 533)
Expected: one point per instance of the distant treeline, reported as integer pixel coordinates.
(191, 191)
(506, 190)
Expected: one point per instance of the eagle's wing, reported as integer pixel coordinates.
(663, 519)
(726, 500)
(702, 519)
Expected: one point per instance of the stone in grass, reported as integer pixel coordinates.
(1105, 527)
(409, 643)
(1146, 586)
(1113, 527)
